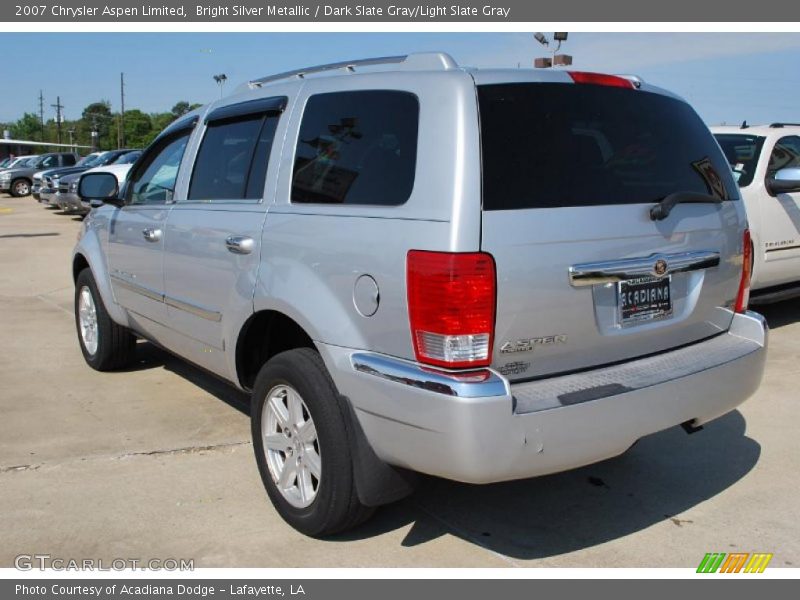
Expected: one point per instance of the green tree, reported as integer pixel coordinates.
(99, 115)
(27, 128)
(138, 128)
(182, 107)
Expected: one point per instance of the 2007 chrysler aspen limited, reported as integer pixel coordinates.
(483, 275)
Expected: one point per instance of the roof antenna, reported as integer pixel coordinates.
(744, 124)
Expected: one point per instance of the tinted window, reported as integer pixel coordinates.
(232, 161)
(357, 148)
(742, 152)
(69, 160)
(550, 145)
(129, 158)
(154, 181)
(785, 155)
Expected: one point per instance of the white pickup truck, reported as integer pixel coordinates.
(766, 164)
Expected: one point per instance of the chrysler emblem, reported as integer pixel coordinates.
(660, 268)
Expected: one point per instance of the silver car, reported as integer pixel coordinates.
(483, 275)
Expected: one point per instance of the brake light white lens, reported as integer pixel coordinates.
(743, 297)
(451, 307)
(601, 79)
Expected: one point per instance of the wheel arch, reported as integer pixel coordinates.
(87, 256)
(265, 334)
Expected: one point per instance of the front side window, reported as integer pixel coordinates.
(154, 182)
(785, 155)
(357, 148)
(232, 161)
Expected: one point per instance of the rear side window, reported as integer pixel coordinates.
(69, 160)
(547, 145)
(357, 148)
(232, 161)
(742, 152)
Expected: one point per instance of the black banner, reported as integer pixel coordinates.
(264, 11)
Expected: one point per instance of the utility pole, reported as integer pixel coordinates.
(121, 122)
(41, 113)
(59, 108)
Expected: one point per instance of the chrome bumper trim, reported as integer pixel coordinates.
(481, 383)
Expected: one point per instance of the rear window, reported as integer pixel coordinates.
(357, 148)
(742, 152)
(547, 145)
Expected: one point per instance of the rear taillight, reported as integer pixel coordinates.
(601, 79)
(451, 307)
(743, 297)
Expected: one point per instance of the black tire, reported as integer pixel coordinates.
(116, 345)
(336, 506)
(20, 187)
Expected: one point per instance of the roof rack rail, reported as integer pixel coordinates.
(779, 125)
(422, 61)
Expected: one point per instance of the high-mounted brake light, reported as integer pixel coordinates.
(743, 296)
(451, 307)
(601, 79)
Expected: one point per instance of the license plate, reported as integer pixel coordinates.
(644, 299)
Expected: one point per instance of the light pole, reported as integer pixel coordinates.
(220, 79)
(556, 59)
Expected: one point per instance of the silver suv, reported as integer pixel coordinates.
(482, 275)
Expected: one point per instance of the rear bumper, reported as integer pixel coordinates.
(486, 431)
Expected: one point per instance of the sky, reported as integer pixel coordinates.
(727, 77)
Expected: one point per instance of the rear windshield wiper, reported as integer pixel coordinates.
(661, 210)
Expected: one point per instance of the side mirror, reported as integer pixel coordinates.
(99, 188)
(785, 181)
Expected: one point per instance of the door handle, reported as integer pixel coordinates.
(240, 244)
(152, 235)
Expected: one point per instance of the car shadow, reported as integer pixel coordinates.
(663, 476)
(780, 314)
(658, 480)
(150, 356)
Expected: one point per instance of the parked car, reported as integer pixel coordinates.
(482, 275)
(50, 196)
(18, 181)
(42, 181)
(19, 161)
(766, 164)
(68, 192)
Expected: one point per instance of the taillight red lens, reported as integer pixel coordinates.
(451, 307)
(743, 297)
(601, 79)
